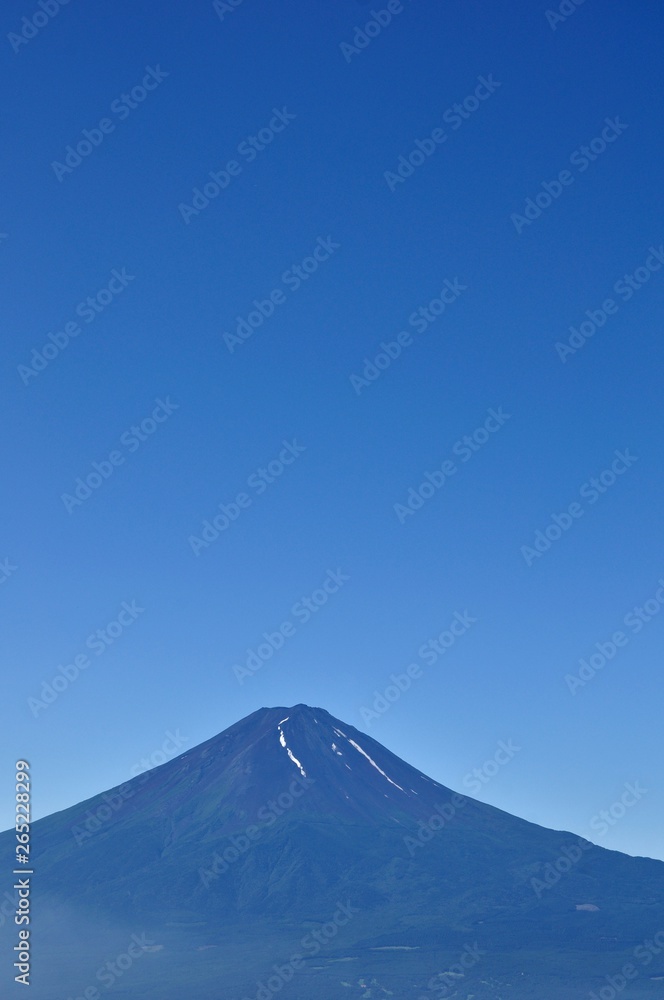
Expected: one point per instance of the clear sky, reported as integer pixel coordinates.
(360, 177)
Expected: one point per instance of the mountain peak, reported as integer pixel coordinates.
(300, 708)
(353, 774)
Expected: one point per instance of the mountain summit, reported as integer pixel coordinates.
(291, 821)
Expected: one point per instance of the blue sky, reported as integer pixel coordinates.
(153, 373)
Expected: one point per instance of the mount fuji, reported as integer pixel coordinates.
(293, 854)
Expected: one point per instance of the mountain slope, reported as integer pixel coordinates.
(273, 824)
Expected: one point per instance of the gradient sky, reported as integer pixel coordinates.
(162, 337)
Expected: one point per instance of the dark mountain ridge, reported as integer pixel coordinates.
(290, 813)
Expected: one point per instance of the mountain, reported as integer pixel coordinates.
(293, 854)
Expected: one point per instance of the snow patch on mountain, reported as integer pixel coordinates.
(282, 740)
(358, 747)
